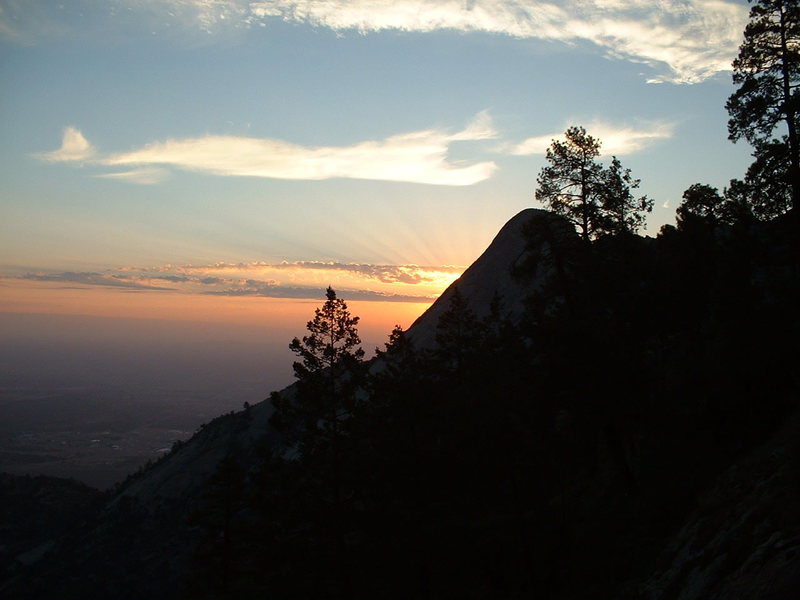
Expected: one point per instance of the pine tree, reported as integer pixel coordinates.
(701, 203)
(765, 186)
(594, 198)
(459, 334)
(622, 211)
(767, 71)
(704, 204)
(400, 363)
(570, 184)
(328, 375)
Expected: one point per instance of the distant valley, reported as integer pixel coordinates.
(95, 435)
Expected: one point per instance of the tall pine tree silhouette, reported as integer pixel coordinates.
(570, 184)
(767, 71)
(329, 380)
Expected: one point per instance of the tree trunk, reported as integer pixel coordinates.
(789, 113)
(585, 203)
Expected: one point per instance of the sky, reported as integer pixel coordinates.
(225, 160)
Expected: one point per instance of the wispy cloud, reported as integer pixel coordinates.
(693, 39)
(615, 139)
(72, 278)
(687, 40)
(145, 176)
(684, 41)
(480, 128)
(74, 148)
(415, 157)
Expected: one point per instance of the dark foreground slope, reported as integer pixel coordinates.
(613, 421)
(742, 540)
(35, 512)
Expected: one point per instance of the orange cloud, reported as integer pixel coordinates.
(301, 279)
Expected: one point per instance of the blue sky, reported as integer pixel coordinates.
(268, 148)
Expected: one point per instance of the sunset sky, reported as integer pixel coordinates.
(228, 159)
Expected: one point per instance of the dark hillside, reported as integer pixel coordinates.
(36, 512)
(614, 419)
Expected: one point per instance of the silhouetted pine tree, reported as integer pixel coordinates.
(767, 71)
(330, 377)
(459, 335)
(594, 198)
(571, 183)
(622, 211)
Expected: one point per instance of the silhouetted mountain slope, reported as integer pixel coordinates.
(35, 512)
(743, 538)
(614, 420)
(496, 272)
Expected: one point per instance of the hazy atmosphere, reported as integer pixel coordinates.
(181, 179)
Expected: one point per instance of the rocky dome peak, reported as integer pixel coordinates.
(496, 272)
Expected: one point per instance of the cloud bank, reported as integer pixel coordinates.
(408, 274)
(300, 279)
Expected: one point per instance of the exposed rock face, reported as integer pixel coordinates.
(743, 540)
(186, 469)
